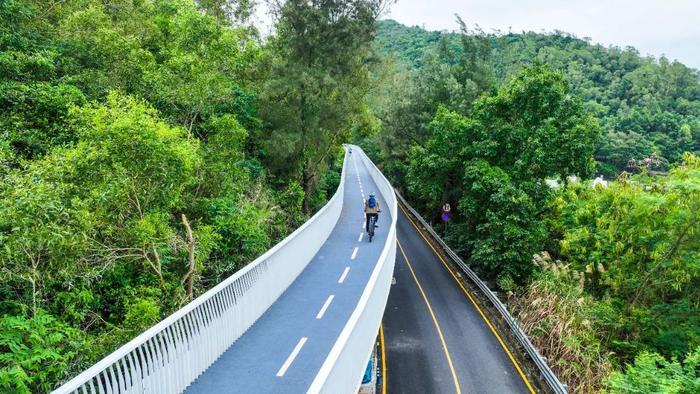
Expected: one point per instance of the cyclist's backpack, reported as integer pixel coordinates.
(371, 202)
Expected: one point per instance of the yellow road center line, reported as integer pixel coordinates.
(384, 378)
(473, 301)
(432, 314)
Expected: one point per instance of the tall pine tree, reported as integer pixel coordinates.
(318, 78)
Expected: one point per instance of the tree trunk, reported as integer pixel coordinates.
(305, 181)
(158, 267)
(188, 279)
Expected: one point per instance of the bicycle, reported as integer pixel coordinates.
(372, 225)
(370, 233)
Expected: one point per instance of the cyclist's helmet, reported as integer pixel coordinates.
(371, 194)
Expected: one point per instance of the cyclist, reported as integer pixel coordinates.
(372, 209)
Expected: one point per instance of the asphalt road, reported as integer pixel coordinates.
(284, 350)
(435, 340)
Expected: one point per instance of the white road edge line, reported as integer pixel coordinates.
(325, 306)
(360, 239)
(291, 357)
(354, 253)
(345, 273)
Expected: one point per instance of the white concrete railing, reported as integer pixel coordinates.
(342, 370)
(169, 356)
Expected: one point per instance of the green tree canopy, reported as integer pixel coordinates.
(493, 164)
(318, 78)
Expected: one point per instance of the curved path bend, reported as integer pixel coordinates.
(284, 350)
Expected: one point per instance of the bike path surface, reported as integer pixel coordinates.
(274, 345)
(416, 359)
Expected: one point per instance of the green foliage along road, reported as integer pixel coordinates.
(603, 279)
(493, 165)
(150, 149)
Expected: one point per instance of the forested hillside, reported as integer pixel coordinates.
(647, 108)
(149, 149)
(603, 279)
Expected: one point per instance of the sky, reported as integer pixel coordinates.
(654, 27)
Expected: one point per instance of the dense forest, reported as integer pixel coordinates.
(151, 148)
(509, 129)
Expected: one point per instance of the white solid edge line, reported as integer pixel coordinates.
(291, 357)
(325, 306)
(354, 253)
(361, 234)
(345, 273)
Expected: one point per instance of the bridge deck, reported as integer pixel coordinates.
(252, 364)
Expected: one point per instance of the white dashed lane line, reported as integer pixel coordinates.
(325, 306)
(354, 253)
(360, 239)
(345, 273)
(291, 357)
